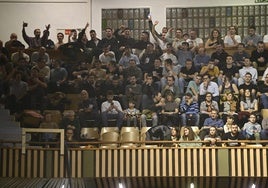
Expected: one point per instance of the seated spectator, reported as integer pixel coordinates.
(169, 54)
(36, 90)
(212, 70)
(71, 121)
(252, 38)
(219, 56)
(194, 41)
(248, 84)
(19, 54)
(208, 86)
(106, 56)
(70, 137)
(97, 70)
(44, 70)
(184, 54)
(240, 55)
(213, 139)
(131, 114)
(174, 136)
(170, 111)
(111, 109)
(259, 58)
(213, 120)
(157, 73)
(248, 105)
(18, 89)
(147, 58)
(230, 120)
(234, 135)
(247, 68)
(187, 74)
(171, 87)
(189, 110)
(132, 70)
(264, 131)
(214, 39)
(193, 86)
(133, 91)
(232, 39)
(207, 106)
(201, 59)
(229, 69)
(113, 71)
(127, 57)
(252, 128)
(47, 123)
(88, 110)
(40, 54)
(58, 77)
(229, 106)
(13, 42)
(187, 134)
(228, 85)
(169, 70)
(263, 92)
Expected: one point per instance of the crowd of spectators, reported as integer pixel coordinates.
(170, 80)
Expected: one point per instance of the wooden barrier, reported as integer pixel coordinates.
(136, 162)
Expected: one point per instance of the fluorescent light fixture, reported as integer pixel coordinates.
(253, 186)
(192, 185)
(120, 185)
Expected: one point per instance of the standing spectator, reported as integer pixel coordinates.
(133, 91)
(110, 40)
(60, 37)
(36, 41)
(92, 44)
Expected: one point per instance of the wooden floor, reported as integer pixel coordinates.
(152, 182)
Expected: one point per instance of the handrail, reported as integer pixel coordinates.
(25, 130)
